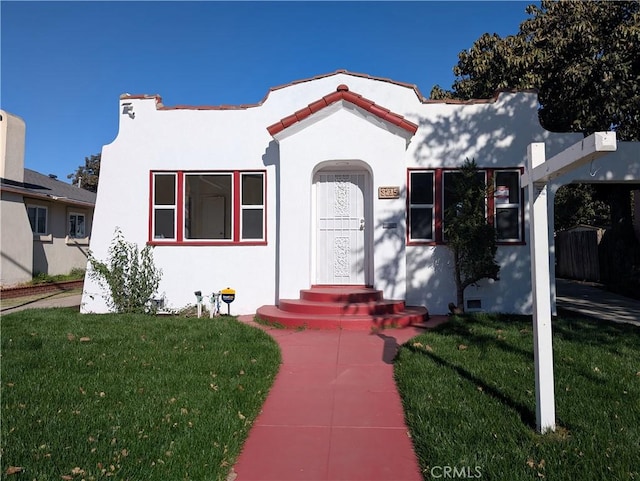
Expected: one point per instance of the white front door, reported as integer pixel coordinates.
(341, 249)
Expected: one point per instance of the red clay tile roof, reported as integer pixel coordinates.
(343, 93)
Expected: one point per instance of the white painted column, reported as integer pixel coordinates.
(540, 283)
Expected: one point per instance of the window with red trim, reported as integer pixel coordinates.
(430, 194)
(189, 207)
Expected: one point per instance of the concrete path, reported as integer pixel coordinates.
(591, 300)
(42, 301)
(333, 413)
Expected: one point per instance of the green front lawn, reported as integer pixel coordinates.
(129, 397)
(468, 390)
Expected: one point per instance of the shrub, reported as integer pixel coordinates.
(129, 274)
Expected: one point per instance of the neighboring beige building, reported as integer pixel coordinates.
(45, 223)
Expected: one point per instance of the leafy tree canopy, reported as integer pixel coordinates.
(86, 176)
(583, 58)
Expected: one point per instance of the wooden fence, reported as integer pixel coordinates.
(577, 254)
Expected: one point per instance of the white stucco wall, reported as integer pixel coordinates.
(495, 133)
(185, 140)
(328, 144)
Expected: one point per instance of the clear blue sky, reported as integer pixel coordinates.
(65, 64)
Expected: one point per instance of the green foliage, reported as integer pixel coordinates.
(438, 93)
(469, 236)
(578, 204)
(86, 176)
(582, 57)
(129, 274)
(75, 274)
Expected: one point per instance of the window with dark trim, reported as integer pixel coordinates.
(37, 218)
(421, 205)
(222, 207)
(430, 194)
(451, 198)
(507, 205)
(77, 225)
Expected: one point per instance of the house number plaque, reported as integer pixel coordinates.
(388, 192)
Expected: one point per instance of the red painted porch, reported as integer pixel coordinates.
(343, 307)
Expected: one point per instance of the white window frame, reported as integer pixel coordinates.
(84, 225)
(34, 228)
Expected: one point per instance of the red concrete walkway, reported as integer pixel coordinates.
(333, 412)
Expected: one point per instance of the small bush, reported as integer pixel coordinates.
(129, 274)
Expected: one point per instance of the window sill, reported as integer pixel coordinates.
(76, 241)
(207, 243)
(423, 243)
(434, 243)
(43, 237)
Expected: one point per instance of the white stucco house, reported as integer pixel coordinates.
(45, 223)
(337, 180)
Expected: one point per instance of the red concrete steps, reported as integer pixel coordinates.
(342, 307)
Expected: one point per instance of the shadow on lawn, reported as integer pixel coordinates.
(527, 416)
(485, 331)
(587, 330)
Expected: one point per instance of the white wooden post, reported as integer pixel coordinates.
(539, 173)
(541, 286)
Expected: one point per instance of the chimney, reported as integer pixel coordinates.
(12, 141)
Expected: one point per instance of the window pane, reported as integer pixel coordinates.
(208, 204)
(164, 224)
(165, 189)
(507, 188)
(252, 189)
(42, 221)
(507, 223)
(450, 194)
(421, 224)
(80, 226)
(31, 212)
(421, 188)
(252, 223)
(72, 226)
(451, 189)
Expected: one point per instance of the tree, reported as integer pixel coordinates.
(86, 176)
(579, 204)
(471, 239)
(583, 58)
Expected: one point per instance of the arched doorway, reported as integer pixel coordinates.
(342, 224)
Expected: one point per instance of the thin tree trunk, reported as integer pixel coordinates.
(459, 287)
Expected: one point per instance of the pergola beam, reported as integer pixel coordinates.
(587, 150)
